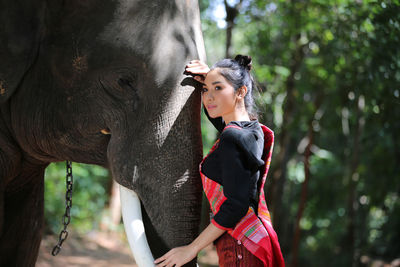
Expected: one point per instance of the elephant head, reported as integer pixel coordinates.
(99, 82)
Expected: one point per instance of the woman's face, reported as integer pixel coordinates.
(218, 95)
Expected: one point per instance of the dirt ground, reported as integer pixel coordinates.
(100, 249)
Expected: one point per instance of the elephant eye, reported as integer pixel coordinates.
(125, 83)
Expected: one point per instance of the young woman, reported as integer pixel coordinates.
(234, 172)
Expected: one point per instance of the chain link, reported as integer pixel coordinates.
(68, 204)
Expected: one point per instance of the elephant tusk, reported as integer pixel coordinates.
(134, 227)
(105, 131)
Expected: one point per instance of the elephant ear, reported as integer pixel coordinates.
(20, 33)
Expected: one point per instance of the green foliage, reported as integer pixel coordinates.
(88, 199)
(208, 133)
(345, 54)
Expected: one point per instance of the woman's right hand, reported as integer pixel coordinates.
(198, 69)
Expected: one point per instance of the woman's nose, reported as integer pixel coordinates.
(210, 96)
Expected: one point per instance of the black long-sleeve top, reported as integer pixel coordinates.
(235, 164)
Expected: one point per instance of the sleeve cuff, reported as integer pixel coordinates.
(220, 226)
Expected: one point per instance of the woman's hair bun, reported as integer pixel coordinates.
(244, 61)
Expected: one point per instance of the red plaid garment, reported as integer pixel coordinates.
(254, 231)
(232, 253)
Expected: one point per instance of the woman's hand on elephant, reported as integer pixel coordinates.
(177, 257)
(198, 69)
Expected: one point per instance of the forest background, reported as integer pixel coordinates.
(329, 79)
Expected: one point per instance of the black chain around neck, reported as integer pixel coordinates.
(68, 204)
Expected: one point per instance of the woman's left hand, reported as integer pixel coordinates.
(198, 69)
(176, 257)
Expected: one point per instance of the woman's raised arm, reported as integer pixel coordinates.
(198, 69)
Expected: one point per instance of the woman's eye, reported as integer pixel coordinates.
(218, 87)
(203, 90)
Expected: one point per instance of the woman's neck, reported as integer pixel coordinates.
(237, 115)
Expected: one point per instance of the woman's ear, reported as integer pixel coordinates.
(242, 91)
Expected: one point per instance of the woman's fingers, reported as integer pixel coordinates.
(191, 64)
(189, 68)
(163, 258)
(197, 67)
(162, 263)
(165, 263)
(176, 257)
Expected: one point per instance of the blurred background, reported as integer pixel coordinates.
(329, 79)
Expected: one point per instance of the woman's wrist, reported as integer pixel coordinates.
(195, 247)
(206, 237)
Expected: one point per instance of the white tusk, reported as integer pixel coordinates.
(134, 228)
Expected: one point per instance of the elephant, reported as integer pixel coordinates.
(100, 82)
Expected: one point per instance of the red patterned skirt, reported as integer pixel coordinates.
(231, 253)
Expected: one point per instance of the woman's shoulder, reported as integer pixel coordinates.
(232, 133)
(248, 137)
(242, 131)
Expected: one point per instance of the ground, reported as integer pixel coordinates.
(100, 249)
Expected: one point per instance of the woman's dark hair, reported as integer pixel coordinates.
(237, 72)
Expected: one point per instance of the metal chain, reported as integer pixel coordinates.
(68, 204)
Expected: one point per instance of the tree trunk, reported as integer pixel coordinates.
(275, 189)
(231, 14)
(352, 204)
(303, 199)
(304, 186)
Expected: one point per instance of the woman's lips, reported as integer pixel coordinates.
(211, 106)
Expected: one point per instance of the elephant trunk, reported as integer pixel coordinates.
(165, 178)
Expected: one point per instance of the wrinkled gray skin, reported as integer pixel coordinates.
(69, 69)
